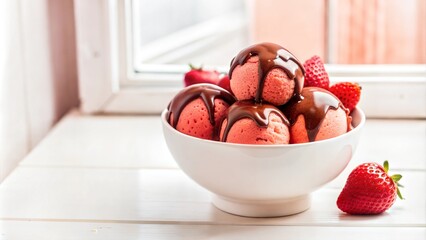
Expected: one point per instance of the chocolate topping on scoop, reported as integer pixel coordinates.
(271, 56)
(207, 92)
(259, 113)
(313, 103)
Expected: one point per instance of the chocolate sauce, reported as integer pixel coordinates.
(259, 113)
(271, 56)
(313, 103)
(207, 92)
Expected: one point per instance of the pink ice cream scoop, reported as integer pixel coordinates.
(196, 109)
(316, 114)
(249, 123)
(266, 72)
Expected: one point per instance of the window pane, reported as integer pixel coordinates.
(211, 32)
(176, 32)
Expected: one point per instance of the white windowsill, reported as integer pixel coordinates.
(95, 176)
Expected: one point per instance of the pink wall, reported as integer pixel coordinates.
(299, 26)
(381, 31)
(365, 31)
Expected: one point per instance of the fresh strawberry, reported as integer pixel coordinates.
(349, 93)
(199, 75)
(225, 83)
(369, 190)
(315, 74)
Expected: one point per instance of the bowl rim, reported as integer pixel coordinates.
(352, 132)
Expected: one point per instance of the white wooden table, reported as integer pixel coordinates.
(112, 177)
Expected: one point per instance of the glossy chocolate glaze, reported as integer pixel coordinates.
(313, 103)
(207, 92)
(271, 56)
(259, 113)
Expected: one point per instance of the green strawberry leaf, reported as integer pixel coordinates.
(396, 177)
(386, 166)
(399, 194)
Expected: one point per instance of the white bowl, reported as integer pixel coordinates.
(262, 180)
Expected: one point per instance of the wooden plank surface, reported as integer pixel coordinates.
(108, 231)
(108, 177)
(169, 196)
(104, 141)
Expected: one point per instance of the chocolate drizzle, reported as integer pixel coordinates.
(259, 113)
(207, 92)
(271, 56)
(313, 103)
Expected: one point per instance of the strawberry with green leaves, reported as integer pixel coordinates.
(369, 190)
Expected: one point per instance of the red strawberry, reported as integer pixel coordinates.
(369, 190)
(349, 93)
(198, 75)
(225, 83)
(315, 74)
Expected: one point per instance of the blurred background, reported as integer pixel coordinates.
(38, 61)
(341, 32)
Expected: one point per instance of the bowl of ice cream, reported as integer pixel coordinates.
(262, 180)
(261, 152)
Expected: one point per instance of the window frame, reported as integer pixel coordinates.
(108, 84)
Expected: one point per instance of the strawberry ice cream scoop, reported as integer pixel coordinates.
(316, 114)
(266, 72)
(249, 123)
(196, 109)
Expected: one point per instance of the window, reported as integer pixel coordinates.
(133, 53)
(202, 32)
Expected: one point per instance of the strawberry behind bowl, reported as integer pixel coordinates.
(200, 75)
(315, 73)
(349, 93)
(225, 83)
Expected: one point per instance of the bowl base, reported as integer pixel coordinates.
(276, 208)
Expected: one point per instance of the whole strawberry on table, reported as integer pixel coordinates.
(369, 190)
